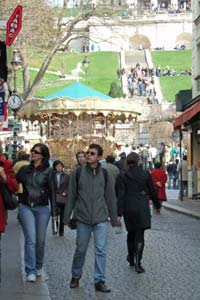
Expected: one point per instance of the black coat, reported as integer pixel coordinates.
(38, 186)
(64, 184)
(134, 188)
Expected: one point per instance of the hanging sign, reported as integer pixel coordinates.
(14, 25)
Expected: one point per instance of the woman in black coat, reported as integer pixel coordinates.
(61, 182)
(133, 189)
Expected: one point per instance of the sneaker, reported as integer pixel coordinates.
(31, 278)
(102, 287)
(39, 273)
(74, 283)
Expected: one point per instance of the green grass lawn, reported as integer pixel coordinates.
(102, 71)
(179, 61)
(100, 74)
(171, 85)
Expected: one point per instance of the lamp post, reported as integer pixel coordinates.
(15, 101)
(86, 63)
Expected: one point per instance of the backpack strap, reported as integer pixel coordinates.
(78, 174)
(105, 174)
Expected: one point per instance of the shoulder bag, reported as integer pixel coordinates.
(10, 200)
(61, 200)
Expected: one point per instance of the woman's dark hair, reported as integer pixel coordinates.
(110, 159)
(57, 162)
(79, 152)
(22, 155)
(5, 155)
(133, 159)
(45, 153)
(158, 165)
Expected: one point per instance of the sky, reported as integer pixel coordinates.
(60, 3)
(56, 2)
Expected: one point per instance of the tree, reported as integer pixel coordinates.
(35, 32)
(115, 91)
(38, 33)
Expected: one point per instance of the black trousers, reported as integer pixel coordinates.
(61, 221)
(134, 238)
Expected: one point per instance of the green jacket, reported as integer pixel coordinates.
(91, 198)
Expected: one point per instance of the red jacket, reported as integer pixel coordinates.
(12, 186)
(158, 175)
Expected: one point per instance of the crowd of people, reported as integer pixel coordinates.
(169, 72)
(140, 82)
(95, 194)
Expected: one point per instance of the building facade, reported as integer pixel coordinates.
(189, 120)
(136, 4)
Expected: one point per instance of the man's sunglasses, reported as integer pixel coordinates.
(91, 153)
(35, 152)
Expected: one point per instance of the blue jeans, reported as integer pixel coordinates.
(82, 241)
(170, 179)
(34, 222)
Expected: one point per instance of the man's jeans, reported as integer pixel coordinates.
(34, 221)
(82, 241)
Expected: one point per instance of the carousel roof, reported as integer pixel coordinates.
(78, 90)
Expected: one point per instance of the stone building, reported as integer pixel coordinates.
(138, 4)
(189, 120)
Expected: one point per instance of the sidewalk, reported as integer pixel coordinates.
(187, 206)
(14, 285)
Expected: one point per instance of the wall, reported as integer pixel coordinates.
(196, 48)
(161, 32)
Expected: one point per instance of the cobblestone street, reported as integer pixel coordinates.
(171, 260)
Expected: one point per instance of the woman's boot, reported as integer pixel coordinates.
(138, 258)
(130, 256)
(61, 229)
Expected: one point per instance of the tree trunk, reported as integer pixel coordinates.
(25, 69)
(30, 92)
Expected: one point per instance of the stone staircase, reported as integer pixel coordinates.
(134, 57)
(143, 57)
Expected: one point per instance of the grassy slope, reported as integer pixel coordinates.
(101, 71)
(178, 60)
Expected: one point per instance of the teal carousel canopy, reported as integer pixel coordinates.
(78, 91)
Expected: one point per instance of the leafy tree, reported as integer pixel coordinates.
(115, 91)
(43, 29)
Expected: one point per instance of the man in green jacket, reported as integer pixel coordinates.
(92, 199)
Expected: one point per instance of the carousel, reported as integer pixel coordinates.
(70, 122)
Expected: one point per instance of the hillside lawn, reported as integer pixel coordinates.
(178, 60)
(102, 71)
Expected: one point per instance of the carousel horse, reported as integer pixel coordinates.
(75, 72)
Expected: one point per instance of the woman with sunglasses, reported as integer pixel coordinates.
(34, 213)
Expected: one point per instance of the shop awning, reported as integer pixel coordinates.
(187, 115)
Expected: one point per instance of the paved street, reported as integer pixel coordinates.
(171, 259)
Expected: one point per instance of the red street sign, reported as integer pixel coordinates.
(14, 25)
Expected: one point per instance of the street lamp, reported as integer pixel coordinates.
(85, 64)
(15, 101)
(15, 62)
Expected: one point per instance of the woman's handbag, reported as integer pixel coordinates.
(61, 200)
(10, 199)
